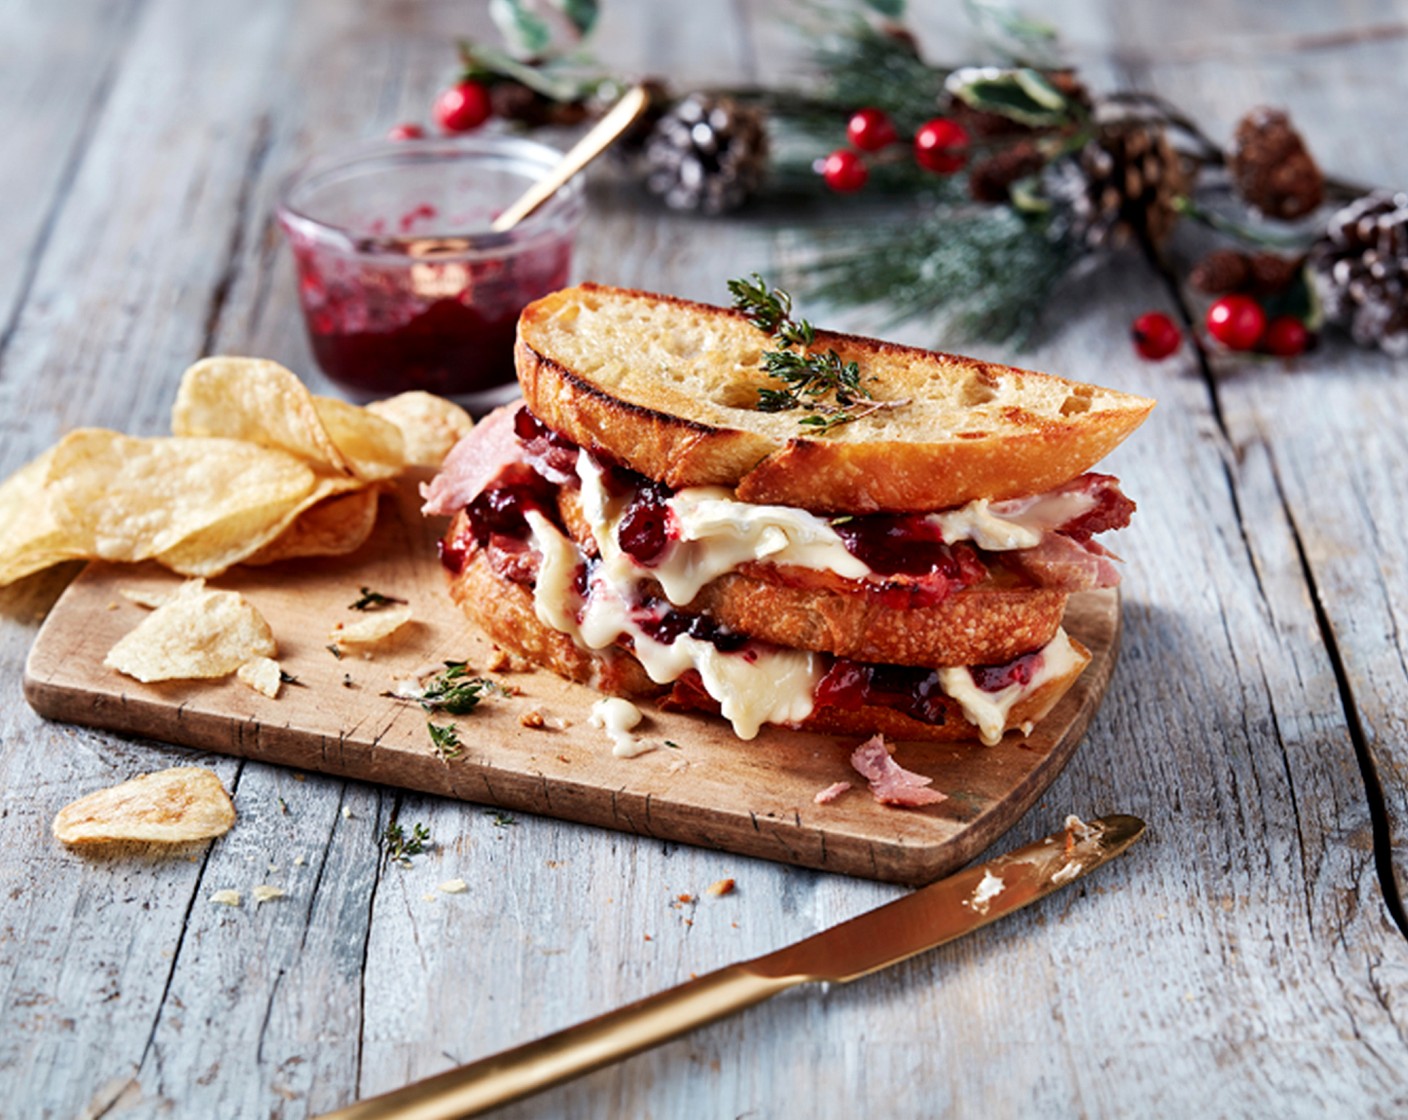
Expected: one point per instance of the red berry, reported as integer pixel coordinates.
(870, 130)
(1286, 336)
(1238, 322)
(406, 132)
(1156, 336)
(844, 171)
(463, 107)
(941, 145)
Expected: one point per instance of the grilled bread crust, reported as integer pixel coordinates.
(504, 611)
(670, 388)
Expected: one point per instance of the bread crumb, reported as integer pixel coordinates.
(299, 861)
(686, 898)
(533, 718)
(720, 888)
(112, 604)
(501, 661)
(429, 896)
(265, 893)
(227, 897)
(454, 886)
(347, 812)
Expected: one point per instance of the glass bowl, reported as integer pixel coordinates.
(402, 283)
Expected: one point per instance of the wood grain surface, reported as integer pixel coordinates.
(701, 785)
(1247, 959)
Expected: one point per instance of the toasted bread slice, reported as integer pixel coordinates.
(504, 611)
(987, 624)
(670, 388)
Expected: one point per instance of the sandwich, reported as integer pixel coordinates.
(729, 511)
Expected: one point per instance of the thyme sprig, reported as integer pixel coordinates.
(808, 379)
(400, 847)
(373, 601)
(454, 691)
(446, 740)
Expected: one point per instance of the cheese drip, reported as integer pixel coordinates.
(990, 711)
(751, 687)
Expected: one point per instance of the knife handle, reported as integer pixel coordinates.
(534, 1066)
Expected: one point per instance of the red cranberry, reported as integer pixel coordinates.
(941, 146)
(844, 171)
(1155, 335)
(644, 532)
(1286, 336)
(406, 132)
(1238, 322)
(870, 130)
(463, 107)
(994, 678)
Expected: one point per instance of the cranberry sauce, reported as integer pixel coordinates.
(381, 324)
(910, 689)
(645, 531)
(908, 544)
(1020, 670)
(662, 622)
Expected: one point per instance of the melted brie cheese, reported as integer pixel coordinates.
(618, 718)
(989, 711)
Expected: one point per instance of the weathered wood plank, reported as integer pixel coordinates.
(1239, 961)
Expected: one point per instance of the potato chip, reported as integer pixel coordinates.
(430, 425)
(30, 536)
(373, 447)
(258, 401)
(261, 674)
(236, 538)
(197, 633)
(371, 626)
(332, 527)
(123, 498)
(168, 807)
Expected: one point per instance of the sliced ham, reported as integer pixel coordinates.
(831, 793)
(473, 463)
(890, 783)
(1062, 563)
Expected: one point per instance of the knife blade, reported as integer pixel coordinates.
(925, 919)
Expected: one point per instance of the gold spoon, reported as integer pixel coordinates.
(601, 136)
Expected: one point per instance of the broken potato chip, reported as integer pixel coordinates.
(261, 674)
(371, 627)
(430, 425)
(197, 633)
(168, 807)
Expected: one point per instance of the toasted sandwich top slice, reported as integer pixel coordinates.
(670, 389)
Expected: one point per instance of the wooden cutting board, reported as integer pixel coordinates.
(754, 798)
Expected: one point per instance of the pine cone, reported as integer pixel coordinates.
(707, 154)
(1231, 270)
(1360, 270)
(1271, 167)
(991, 178)
(1120, 185)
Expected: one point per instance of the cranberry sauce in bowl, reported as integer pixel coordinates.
(402, 283)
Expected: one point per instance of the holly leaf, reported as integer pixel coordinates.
(1020, 94)
(480, 61)
(1012, 35)
(890, 9)
(527, 33)
(582, 13)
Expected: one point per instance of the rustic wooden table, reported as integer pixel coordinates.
(1248, 959)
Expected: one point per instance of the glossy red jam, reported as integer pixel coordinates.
(910, 689)
(380, 325)
(994, 678)
(665, 624)
(644, 532)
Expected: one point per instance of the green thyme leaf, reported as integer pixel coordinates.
(373, 601)
(455, 692)
(400, 847)
(446, 740)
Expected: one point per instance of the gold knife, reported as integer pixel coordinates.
(929, 917)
